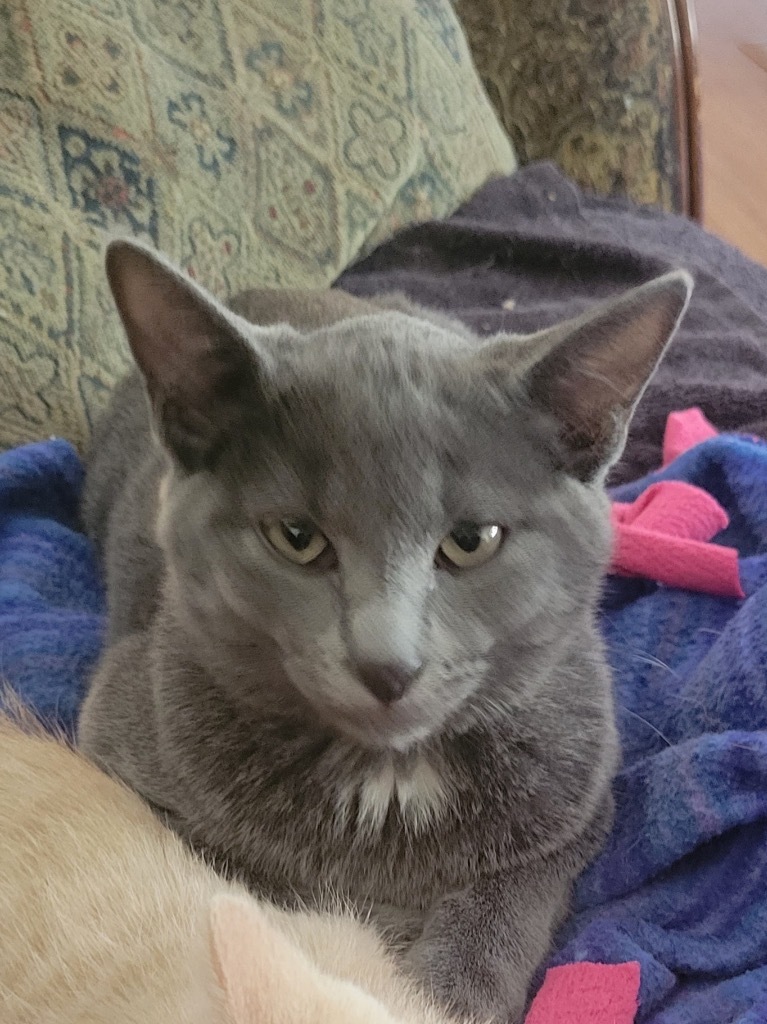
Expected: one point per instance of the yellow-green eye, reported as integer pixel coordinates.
(301, 542)
(470, 545)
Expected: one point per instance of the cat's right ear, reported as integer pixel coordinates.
(199, 370)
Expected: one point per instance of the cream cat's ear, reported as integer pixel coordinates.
(201, 373)
(267, 979)
(252, 961)
(589, 373)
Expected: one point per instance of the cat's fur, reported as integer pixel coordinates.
(107, 918)
(231, 691)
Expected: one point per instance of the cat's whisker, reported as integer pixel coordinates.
(649, 725)
(642, 656)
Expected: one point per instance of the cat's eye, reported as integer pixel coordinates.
(470, 545)
(301, 542)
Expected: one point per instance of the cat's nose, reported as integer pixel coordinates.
(388, 681)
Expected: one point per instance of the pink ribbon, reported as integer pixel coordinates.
(664, 535)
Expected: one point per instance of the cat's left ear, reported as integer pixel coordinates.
(200, 371)
(266, 979)
(589, 373)
(255, 965)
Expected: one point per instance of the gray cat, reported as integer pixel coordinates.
(352, 570)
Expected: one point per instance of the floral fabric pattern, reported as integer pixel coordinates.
(253, 141)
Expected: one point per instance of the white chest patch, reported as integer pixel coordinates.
(419, 788)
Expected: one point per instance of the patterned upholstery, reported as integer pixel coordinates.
(588, 84)
(254, 141)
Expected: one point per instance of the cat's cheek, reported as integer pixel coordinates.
(459, 643)
(317, 669)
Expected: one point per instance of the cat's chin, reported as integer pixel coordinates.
(397, 743)
(376, 733)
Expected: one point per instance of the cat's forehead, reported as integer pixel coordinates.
(382, 390)
(378, 366)
(387, 420)
(390, 333)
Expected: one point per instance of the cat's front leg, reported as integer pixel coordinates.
(480, 946)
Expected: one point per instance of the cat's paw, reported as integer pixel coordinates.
(471, 985)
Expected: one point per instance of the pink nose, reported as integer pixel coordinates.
(387, 682)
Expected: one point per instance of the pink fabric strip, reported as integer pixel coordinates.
(664, 535)
(684, 430)
(587, 993)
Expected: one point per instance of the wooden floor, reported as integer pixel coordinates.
(733, 78)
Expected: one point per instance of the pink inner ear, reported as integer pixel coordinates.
(257, 966)
(600, 364)
(240, 938)
(174, 332)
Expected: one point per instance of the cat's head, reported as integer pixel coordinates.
(385, 525)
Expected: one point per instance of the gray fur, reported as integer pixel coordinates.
(229, 693)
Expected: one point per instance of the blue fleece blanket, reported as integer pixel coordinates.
(682, 885)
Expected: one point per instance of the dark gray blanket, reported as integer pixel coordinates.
(536, 242)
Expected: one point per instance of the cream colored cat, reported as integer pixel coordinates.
(105, 918)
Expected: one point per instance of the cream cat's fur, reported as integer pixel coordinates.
(106, 918)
